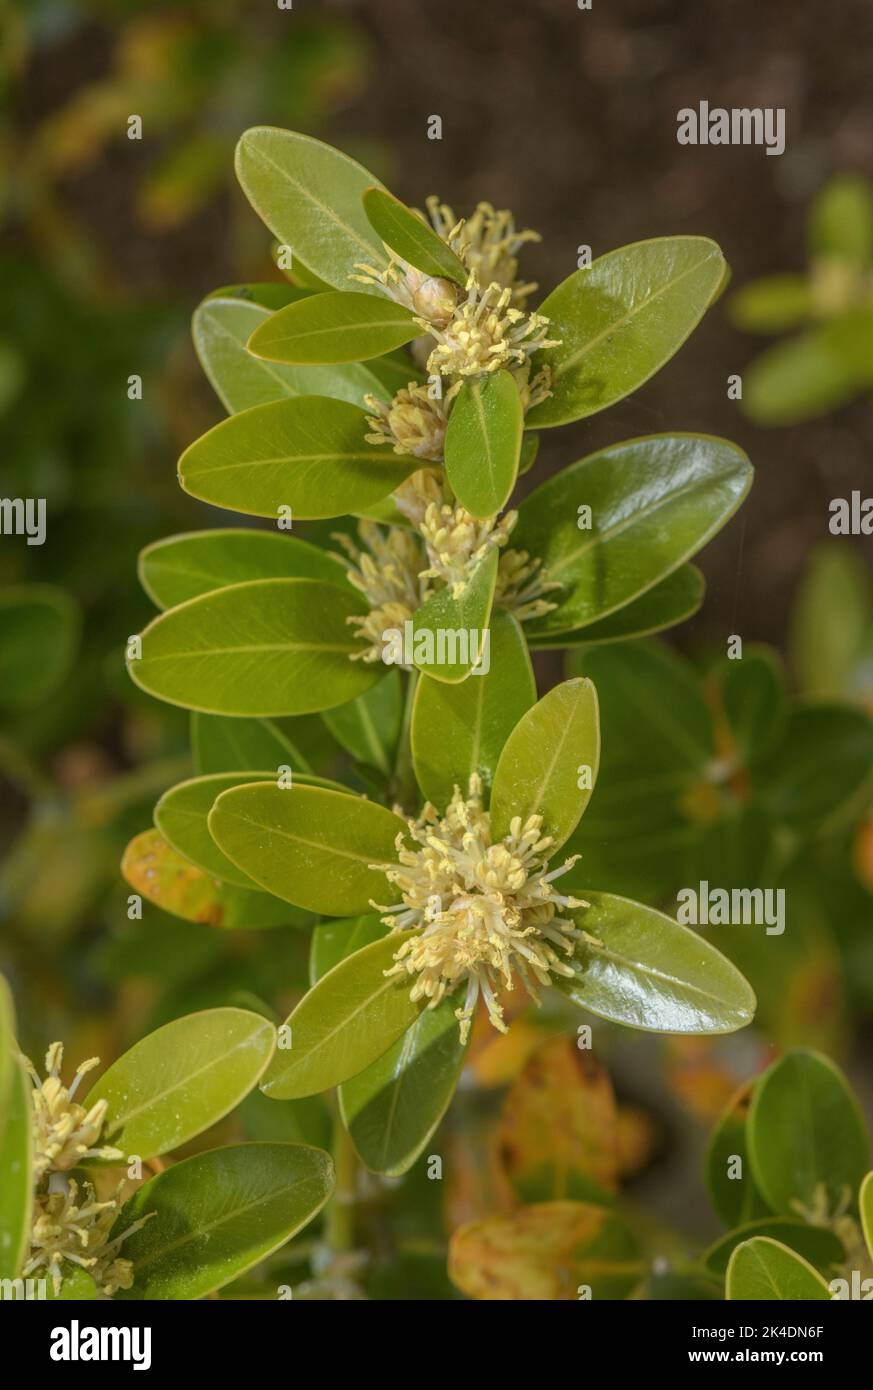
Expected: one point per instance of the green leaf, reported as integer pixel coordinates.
(181, 567)
(16, 1175)
(762, 1269)
(841, 219)
(667, 603)
(182, 813)
(39, 632)
(181, 1079)
(654, 503)
(308, 453)
(553, 748)
(644, 970)
(865, 1202)
(222, 327)
(753, 695)
(483, 442)
(345, 1022)
(307, 845)
(448, 632)
(816, 1244)
(8, 1049)
(461, 729)
(831, 622)
(332, 941)
(161, 876)
(735, 1198)
(411, 237)
(620, 320)
(219, 1213)
(309, 195)
(814, 777)
(806, 1132)
(369, 727)
(772, 304)
(798, 380)
(223, 744)
(339, 326)
(268, 647)
(392, 1109)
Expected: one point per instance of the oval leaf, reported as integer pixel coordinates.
(806, 1132)
(307, 845)
(345, 1022)
(549, 763)
(334, 327)
(308, 453)
(411, 237)
(221, 329)
(182, 1078)
(644, 970)
(39, 632)
(654, 503)
(310, 197)
(620, 319)
(267, 647)
(483, 442)
(219, 1213)
(181, 567)
(393, 1107)
(762, 1269)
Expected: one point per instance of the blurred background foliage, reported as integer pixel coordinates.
(109, 244)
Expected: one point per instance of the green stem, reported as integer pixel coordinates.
(339, 1227)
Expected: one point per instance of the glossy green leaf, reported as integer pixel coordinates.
(222, 328)
(772, 304)
(333, 940)
(369, 727)
(448, 632)
(181, 1079)
(730, 1181)
(483, 442)
(268, 647)
(219, 1213)
(646, 971)
(806, 1132)
(220, 743)
(411, 236)
(620, 320)
(39, 632)
(307, 845)
(310, 197)
(762, 1269)
(16, 1175)
(340, 326)
(548, 766)
(654, 503)
(181, 567)
(346, 1021)
(815, 775)
(163, 877)
(667, 603)
(392, 1109)
(182, 814)
(816, 1244)
(461, 729)
(307, 453)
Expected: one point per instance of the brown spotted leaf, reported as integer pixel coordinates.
(548, 1251)
(558, 1136)
(155, 871)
